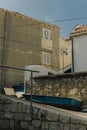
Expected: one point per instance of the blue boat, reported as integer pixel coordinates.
(65, 103)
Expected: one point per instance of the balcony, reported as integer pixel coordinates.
(47, 44)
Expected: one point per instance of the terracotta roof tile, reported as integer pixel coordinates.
(79, 30)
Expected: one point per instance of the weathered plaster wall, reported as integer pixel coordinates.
(21, 44)
(15, 115)
(64, 53)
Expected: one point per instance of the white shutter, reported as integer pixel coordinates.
(45, 58)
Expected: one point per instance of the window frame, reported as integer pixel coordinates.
(46, 33)
(46, 58)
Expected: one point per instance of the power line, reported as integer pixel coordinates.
(70, 19)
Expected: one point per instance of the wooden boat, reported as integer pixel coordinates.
(65, 103)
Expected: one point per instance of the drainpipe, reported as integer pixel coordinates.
(4, 49)
(72, 55)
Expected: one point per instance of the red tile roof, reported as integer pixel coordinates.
(79, 30)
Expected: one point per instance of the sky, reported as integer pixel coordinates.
(52, 11)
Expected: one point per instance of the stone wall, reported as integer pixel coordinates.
(72, 85)
(16, 114)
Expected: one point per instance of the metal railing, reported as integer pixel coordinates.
(31, 84)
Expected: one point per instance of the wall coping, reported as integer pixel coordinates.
(67, 75)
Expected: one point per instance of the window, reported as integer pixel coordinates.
(46, 33)
(46, 58)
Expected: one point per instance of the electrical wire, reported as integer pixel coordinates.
(70, 19)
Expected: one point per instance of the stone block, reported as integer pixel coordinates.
(44, 125)
(8, 115)
(12, 124)
(64, 119)
(24, 125)
(14, 107)
(55, 126)
(42, 114)
(67, 126)
(80, 127)
(2, 101)
(83, 123)
(8, 101)
(35, 116)
(35, 113)
(72, 127)
(51, 116)
(4, 124)
(35, 110)
(28, 109)
(45, 115)
(1, 115)
(27, 117)
(24, 108)
(1, 107)
(18, 116)
(17, 124)
(19, 107)
(7, 108)
(36, 123)
(31, 128)
(75, 120)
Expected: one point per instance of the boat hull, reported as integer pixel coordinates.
(65, 103)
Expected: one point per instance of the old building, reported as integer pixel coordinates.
(79, 48)
(26, 41)
(64, 54)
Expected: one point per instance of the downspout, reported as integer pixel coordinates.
(72, 55)
(4, 49)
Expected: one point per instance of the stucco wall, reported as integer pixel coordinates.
(79, 49)
(64, 53)
(22, 37)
